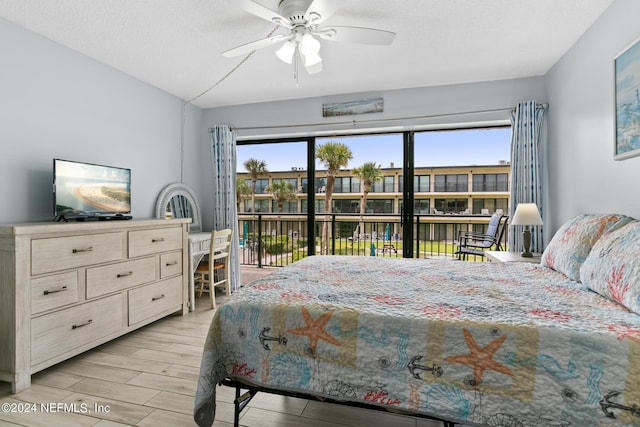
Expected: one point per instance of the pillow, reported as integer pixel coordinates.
(612, 269)
(572, 243)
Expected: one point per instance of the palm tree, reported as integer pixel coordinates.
(282, 191)
(255, 168)
(242, 191)
(334, 155)
(369, 173)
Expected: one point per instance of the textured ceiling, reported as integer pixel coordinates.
(175, 45)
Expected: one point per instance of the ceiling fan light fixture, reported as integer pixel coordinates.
(311, 59)
(286, 51)
(309, 45)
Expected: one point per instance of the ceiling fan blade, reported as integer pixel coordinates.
(255, 45)
(265, 13)
(356, 35)
(319, 10)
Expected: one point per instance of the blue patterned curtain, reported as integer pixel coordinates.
(223, 158)
(527, 127)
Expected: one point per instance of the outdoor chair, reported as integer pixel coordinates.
(470, 243)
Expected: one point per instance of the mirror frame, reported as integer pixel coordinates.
(177, 189)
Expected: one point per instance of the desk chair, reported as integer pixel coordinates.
(205, 274)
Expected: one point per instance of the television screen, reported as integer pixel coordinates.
(84, 189)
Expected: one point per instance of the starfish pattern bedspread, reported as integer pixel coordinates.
(499, 344)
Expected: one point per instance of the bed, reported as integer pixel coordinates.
(497, 344)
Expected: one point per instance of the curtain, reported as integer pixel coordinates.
(223, 159)
(528, 131)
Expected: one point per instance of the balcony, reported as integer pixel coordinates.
(276, 240)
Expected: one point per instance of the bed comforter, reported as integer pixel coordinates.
(499, 344)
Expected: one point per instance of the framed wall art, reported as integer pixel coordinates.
(375, 105)
(627, 102)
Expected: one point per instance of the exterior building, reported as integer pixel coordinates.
(437, 190)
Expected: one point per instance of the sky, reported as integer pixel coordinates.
(441, 148)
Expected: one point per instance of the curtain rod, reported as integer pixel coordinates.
(357, 122)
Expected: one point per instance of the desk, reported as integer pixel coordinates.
(504, 256)
(199, 246)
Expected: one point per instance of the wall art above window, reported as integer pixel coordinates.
(375, 105)
(627, 92)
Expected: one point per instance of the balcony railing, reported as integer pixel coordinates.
(280, 239)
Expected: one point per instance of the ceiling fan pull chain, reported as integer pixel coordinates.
(296, 60)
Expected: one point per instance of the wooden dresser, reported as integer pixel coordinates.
(68, 287)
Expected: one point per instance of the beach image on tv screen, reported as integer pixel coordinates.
(82, 187)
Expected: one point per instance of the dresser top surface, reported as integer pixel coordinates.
(79, 226)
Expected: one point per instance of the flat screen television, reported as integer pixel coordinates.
(85, 190)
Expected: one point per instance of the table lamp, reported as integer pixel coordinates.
(526, 214)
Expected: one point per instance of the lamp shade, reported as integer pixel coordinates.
(285, 53)
(526, 214)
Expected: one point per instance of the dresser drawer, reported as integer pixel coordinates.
(53, 291)
(150, 300)
(62, 331)
(170, 264)
(147, 242)
(115, 277)
(63, 253)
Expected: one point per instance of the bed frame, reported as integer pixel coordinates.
(242, 400)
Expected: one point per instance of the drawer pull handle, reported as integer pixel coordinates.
(161, 239)
(88, 322)
(157, 298)
(169, 264)
(64, 288)
(77, 251)
(128, 273)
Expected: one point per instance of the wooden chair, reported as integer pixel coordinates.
(207, 274)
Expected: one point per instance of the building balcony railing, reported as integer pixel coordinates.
(280, 239)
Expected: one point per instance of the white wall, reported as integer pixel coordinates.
(304, 116)
(55, 102)
(583, 177)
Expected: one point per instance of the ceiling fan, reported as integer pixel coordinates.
(301, 19)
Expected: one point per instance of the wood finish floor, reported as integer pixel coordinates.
(149, 377)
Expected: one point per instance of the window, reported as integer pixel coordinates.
(490, 182)
(346, 206)
(421, 183)
(261, 205)
(385, 185)
(321, 185)
(304, 206)
(292, 181)
(346, 184)
(421, 207)
(451, 183)
(261, 185)
(451, 205)
(491, 205)
(445, 161)
(288, 206)
(379, 206)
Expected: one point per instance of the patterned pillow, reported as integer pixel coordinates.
(572, 243)
(612, 269)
